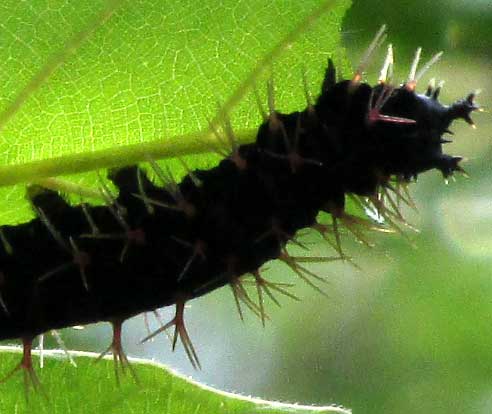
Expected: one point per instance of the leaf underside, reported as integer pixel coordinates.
(144, 74)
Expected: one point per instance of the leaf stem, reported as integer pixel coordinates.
(177, 146)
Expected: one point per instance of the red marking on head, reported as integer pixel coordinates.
(375, 115)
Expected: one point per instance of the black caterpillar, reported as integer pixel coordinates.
(154, 246)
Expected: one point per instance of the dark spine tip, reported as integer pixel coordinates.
(33, 191)
(448, 165)
(462, 109)
(330, 79)
(436, 93)
(471, 97)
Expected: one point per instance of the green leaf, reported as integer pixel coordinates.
(91, 387)
(81, 78)
(91, 84)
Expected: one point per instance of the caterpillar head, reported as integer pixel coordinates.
(386, 130)
(410, 127)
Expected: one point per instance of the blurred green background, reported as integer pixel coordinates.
(412, 331)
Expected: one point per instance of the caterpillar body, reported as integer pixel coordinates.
(159, 245)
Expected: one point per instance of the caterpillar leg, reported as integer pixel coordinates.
(241, 295)
(264, 286)
(181, 332)
(121, 363)
(293, 262)
(31, 380)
